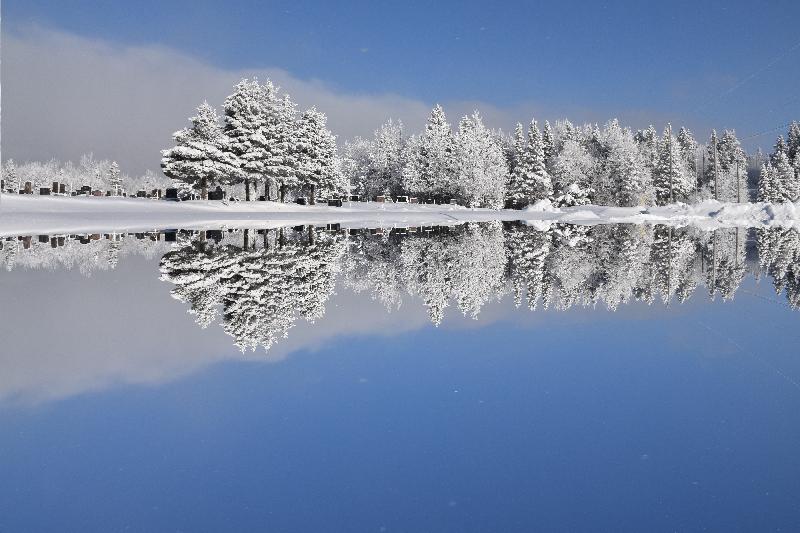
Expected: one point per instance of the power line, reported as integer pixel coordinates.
(777, 128)
(748, 78)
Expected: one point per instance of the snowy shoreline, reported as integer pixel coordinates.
(23, 215)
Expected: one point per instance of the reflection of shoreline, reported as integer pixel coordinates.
(30, 215)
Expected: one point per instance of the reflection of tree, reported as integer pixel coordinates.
(528, 250)
(373, 264)
(260, 285)
(262, 291)
(464, 263)
(779, 255)
(724, 255)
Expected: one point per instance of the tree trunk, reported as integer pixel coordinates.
(283, 192)
(266, 190)
(204, 189)
(311, 235)
(247, 189)
(313, 199)
(246, 239)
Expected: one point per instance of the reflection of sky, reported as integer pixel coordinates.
(645, 419)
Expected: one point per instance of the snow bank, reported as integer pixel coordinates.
(28, 215)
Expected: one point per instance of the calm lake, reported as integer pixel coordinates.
(474, 377)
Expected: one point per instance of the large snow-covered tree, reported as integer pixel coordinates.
(316, 155)
(431, 166)
(114, 179)
(481, 166)
(733, 168)
(533, 182)
(10, 176)
(671, 179)
(622, 177)
(787, 184)
(262, 128)
(202, 154)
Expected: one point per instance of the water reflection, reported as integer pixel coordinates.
(258, 284)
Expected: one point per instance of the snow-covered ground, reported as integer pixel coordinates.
(28, 215)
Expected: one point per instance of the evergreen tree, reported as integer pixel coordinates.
(431, 164)
(10, 176)
(114, 179)
(622, 178)
(787, 185)
(262, 128)
(316, 155)
(767, 188)
(671, 179)
(202, 155)
(548, 142)
(514, 190)
(480, 165)
(245, 121)
(780, 148)
(388, 157)
(793, 145)
(688, 149)
(647, 140)
(733, 167)
(534, 181)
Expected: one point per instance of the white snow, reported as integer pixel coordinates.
(29, 215)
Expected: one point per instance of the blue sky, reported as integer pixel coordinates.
(720, 64)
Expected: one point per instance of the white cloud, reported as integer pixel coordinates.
(64, 95)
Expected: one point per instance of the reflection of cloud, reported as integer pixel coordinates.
(65, 335)
(64, 95)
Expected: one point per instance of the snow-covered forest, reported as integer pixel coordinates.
(259, 283)
(262, 146)
(99, 174)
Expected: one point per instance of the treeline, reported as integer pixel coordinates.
(263, 140)
(563, 163)
(99, 174)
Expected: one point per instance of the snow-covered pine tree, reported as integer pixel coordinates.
(788, 188)
(793, 144)
(689, 149)
(114, 179)
(733, 165)
(671, 179)
(514, 183)
(10, 176)
(245, 121)
(431, 164)
(780, 147)
(481, 166)
(622, 178)
(316, 156)
(280, 136)
(548, 142)
(766, 184)
(647, 141)
(202, 154)
(388, 157)
(573, 169)
(534, 180)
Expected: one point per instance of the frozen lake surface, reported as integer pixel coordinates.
(482, 376)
